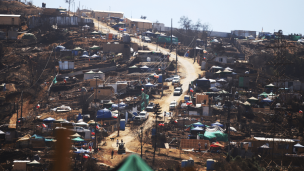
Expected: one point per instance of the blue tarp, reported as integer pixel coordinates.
(35, 136)
(217, 124)
(79, 117)
(104, 113)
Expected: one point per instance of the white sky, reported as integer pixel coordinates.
(221, 15)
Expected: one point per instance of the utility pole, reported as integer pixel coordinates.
(171, 36)
(157, 112)
(162, 82)
(194, 52)
(21, 103)
(141, 140)
(96, 146)
(98, 24)
(176, 60)
(17, 116)
(118, 118)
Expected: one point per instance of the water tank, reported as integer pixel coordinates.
(203, 65)
(122, 124)
(43, 5)
(153, 131)
(160, 78)
(184, 163)
(210, 164)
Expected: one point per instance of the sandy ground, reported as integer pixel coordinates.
(186, 69)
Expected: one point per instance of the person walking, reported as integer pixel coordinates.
(199, 146)
(117, 142)
(112, 154)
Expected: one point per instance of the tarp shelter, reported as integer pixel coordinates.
(81, 124)
(35, 136)
(49, 119)
(78, 139)
(91, 122)
(252, 100)
(28, 36)
(217, 144)
(82, 151)
(145, 98)
(77, 49)
(269, 85)
(264, 94)
(149, 85)
(75, 135)
(266, 100)
(298, 146)
(79, 117)
(95, 33)
(132, 162)
(34, 162)
(94, 47)
(220, 136)
(59, 48)
(104, 114)
(246, 103)
(198, 124)
(217, 124)
(59, 120)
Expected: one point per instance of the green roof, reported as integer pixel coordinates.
(217, 134)
(78, 139)
(133, 162)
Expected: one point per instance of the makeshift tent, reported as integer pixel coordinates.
(217, 124)
(149, 85)
(34, 162)
(79, 117)
(197, 129)
(198, 124)
(252, 100)
(49, 119)
(91, 122)
(264, 94)
(269, 85)
(81, 124)
(35, 136)
(298, 146)
(95, 33)
(94, 47)
(220, 136)
(78, 49)
(59, 120)
(266, 100)
(28, 36)
(82, 151)
(246, 103)
(59, 48)
(217, 144)
(104, 114)
(132, 162)
(78, 139)
(75, 135)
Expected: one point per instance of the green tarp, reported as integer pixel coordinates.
(35, 136)
(264, 94)
(132, 162)
(217, 134)
(145, 101)
(78, 139)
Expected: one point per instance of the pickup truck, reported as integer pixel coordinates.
(178, 91)
(172, 105)
(150, 107)
(144, 115)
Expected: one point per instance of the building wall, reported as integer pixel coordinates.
(7, 20)
(105, 14)
(244, 33)
(221, 59)
(218, 34)
(118, 48)
(141, 26)
(91, 76)
(105, 92)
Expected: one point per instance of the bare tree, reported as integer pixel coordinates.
(69, 2)
(185, 23)
(197, 26)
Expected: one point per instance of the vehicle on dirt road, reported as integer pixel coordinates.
(172, 105)
(178, 91)
(150, 107)
(175, 80)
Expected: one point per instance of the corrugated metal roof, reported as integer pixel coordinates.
(273, 139)
(139, 20)
(9, 15)
(114, 12)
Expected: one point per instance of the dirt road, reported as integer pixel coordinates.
(186, 69)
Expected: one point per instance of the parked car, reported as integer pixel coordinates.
(144, 115)
(175, 80)
(172, 105)
(178, 91)
(146, 39)
(169, 79)
(150, 107)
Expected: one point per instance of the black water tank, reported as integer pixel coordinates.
(43, 5)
